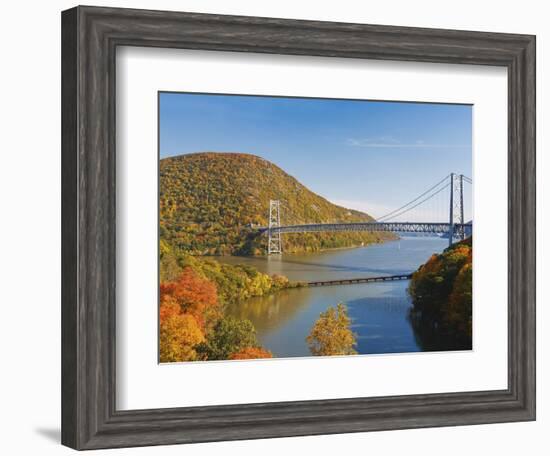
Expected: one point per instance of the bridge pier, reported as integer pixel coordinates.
(456, 208)
(274, 244)
(451, 210)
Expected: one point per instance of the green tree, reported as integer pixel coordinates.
(331, 333)
(229, 336)
(233, 282)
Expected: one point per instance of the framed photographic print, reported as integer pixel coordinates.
(279, 228)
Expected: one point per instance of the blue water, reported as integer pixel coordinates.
(378, 310)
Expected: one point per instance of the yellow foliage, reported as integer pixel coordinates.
(179, 334)
(210, 201)
(251, 353)
(331, 333)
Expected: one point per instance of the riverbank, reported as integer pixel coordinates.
(306, 243)
(379, 311)
(262, 291)
(441, 291)
(194, 295)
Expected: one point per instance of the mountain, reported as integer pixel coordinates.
(210, 200)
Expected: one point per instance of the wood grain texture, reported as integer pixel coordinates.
(89, 39)
(69, 246)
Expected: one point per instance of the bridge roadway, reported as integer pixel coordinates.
(394, 227)
(321, 283)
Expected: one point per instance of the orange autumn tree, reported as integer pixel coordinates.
(193, 327)
(179, 333)
(251, 353)
(188, 308)
(195, 295)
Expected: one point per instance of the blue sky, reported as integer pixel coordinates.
(369, 155)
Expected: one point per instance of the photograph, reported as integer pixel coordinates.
(247, 228)
(299, 227)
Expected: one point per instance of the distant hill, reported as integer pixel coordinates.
(208, 201)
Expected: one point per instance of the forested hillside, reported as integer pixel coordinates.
(441, 291)
(209, 202)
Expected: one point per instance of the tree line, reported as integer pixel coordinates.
(441, 292)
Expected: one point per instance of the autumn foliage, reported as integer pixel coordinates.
(251, 353)
(331, 333)
(459, 307)
(208, 202)
(441, 292)
(192, 326)
(179, 334)
(194, 294)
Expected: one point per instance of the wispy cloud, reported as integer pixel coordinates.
(389, 142)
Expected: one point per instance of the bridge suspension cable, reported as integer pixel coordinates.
(420, 202)
(454, 223)
(433, 187)
(424, 197)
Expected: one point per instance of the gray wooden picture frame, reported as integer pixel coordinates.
(90, 36)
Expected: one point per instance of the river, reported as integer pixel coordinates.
(378, 310)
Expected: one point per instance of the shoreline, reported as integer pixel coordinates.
(332, 249)
(291, 254)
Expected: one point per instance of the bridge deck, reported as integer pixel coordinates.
(321, 283)
(407, 227)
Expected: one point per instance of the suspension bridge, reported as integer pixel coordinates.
(454, 225)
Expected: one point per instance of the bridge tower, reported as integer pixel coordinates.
(456, 211)
(274, 244)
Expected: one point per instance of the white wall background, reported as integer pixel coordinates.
(30, 224)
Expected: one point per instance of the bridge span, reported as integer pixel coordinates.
(393, 227)
(455, 228)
